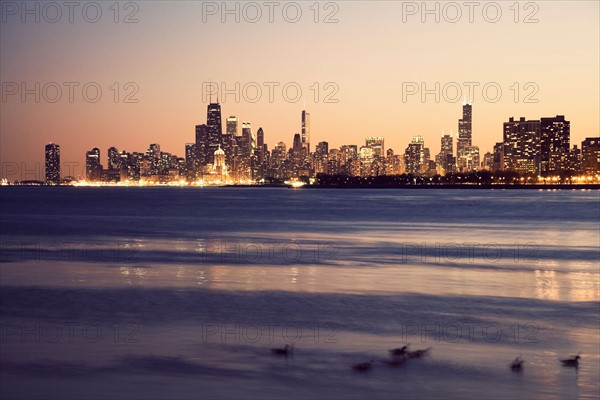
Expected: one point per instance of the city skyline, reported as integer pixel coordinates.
(530, 148)
(169, 88)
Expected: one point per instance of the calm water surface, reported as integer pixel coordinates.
(181, 293)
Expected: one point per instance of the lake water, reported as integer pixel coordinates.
(181, 293)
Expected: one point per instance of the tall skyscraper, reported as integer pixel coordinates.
(445, 159)
(232, 127)
(52, 163)
(522, 146)
(555, 143)
(321, 157)
(260, 145)
(464, 135)
(214, 128)
(113, 159)
(498, 164)
(377, 144)
(590, 155)
(306, 130)
(93, 168)
(202, 146)
(414, 155)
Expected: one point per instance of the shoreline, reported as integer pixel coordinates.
(351, 186)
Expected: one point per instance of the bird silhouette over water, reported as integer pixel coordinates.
(571, 362)
(363, 367)
(399, 351)
(283, 351)
(517, 364)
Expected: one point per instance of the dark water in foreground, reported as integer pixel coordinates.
(181, 293)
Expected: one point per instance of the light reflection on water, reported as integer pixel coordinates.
(226, 255)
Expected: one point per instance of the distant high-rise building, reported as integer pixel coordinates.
(233, 125)
(321, 157)
(378, 163)
(93, 168)
(366, 156)
(522, 146)
(248, 139)
(445, 158)
(590, 156)
(498, 164)
(465, 134)
(214, 128)
(555, 139)
(377, 144)
(471, 158)
(260, 145)
(201, 146)
(52, 154)
(414, 155)
(190, 161)
(306, 130)
(393, 163)
(488, 162)
(297, 146)
(113, 159)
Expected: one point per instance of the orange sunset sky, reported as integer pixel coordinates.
(369, 53)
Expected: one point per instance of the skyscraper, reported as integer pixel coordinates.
(232, 127)
(413, 155)
(464, 135)
(113, 158)
(214, 132)
(52, 163)
(378, 159)
(445, 158)
(260, 145)
(201, 146)
(93, 168)
(590, 155)
(306, 130)
(555, 143)
(522, 146)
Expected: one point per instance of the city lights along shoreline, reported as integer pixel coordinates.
(532, 152)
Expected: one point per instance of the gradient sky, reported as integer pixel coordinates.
(369, 53)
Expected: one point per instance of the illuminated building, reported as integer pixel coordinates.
(471, 156)
(464, 135)
(445, 158)
(322, 158)
(413, 155)
(93, 168)
(52, 156)
(522, 146)
(377, 144)
(498, 164)
(555, 136)
(306, 131)
(366, 156)
(590, 156)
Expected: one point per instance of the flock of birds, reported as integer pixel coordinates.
(400, 355)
